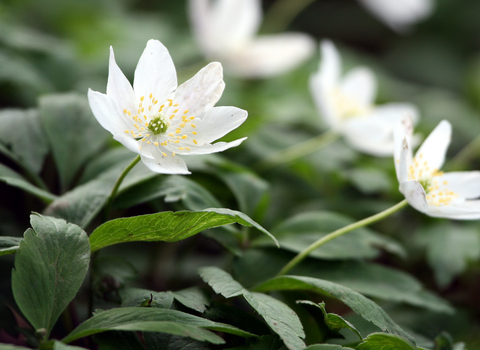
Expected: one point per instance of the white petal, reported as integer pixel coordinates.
(402, 132)
(466, 183)
(360, 85)
(434, 148)
(218, 122)
(469, 210)
(325, 81)
(415, 195)
(155, 72)
(128, 142)
(201, 92)
(107, 113)
(119, 88)
(166, 165)
(270, 55)
(399, 14)
(216, 147)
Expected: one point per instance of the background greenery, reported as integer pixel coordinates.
(51, 51)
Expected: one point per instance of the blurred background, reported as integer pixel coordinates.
(56, 46)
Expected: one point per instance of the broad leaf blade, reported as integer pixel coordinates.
(73, 132)
(276, 314)
(49, 269)
(143, 319)
(383, 341)
(13, 178)
(193, 298)
(165, 226)
(357, 302)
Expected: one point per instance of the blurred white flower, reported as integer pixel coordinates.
(426, 188)
(159, 121)
(225, 31)
(400, 14)
(347, 104)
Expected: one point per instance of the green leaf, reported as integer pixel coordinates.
(58, 345)
(83, 203)
(12, 347)
(333, 321)
(276, 314)
(146, 319)
(162, 341)
(326, 347)
(19, 126)
(357, 302)
(109, 275)
(9, 245)
(383, 341)
(166, 226)
(13, 178)
(298, 232)
(449, 250)
(73, 132)
(174, 188)
(193, 298)
(49, 269)
(146, 298)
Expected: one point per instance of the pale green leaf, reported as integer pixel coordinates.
(357, 302)
(193, 298)
(165, 226)
(49, 269)
(383, 341)
(144, 319)
(146, 298)
(9, 245)
(326, 347)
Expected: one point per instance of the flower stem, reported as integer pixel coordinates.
(367, 221)
(110, 199)
(281, 14)
(297, 151)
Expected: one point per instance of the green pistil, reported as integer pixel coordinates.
(158, 125)
(426, 184)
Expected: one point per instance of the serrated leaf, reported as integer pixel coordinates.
(9, 245)
(357, 302)
(72, 131)
(383, 341)
(166, 226)
(13, 178)
(276, 314)
(20, 125)
(49, 269)
(193, 298)
(146, 298)
(333, 321)
(145, 318)
(298, 232)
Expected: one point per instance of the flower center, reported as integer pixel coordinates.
(158, 124)
(347, 106)
(431, 180)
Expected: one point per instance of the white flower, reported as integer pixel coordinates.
(225, 31)
(400, 14)
(426, 188)
(347, 104)
(161, 123)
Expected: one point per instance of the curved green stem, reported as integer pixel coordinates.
(297, 151)
(110, 199)
(281, 14)
(367, 221)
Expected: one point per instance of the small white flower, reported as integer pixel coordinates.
(400, 14)
(347, 104)
(225, 31)
(426, 188)
(159, 121)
